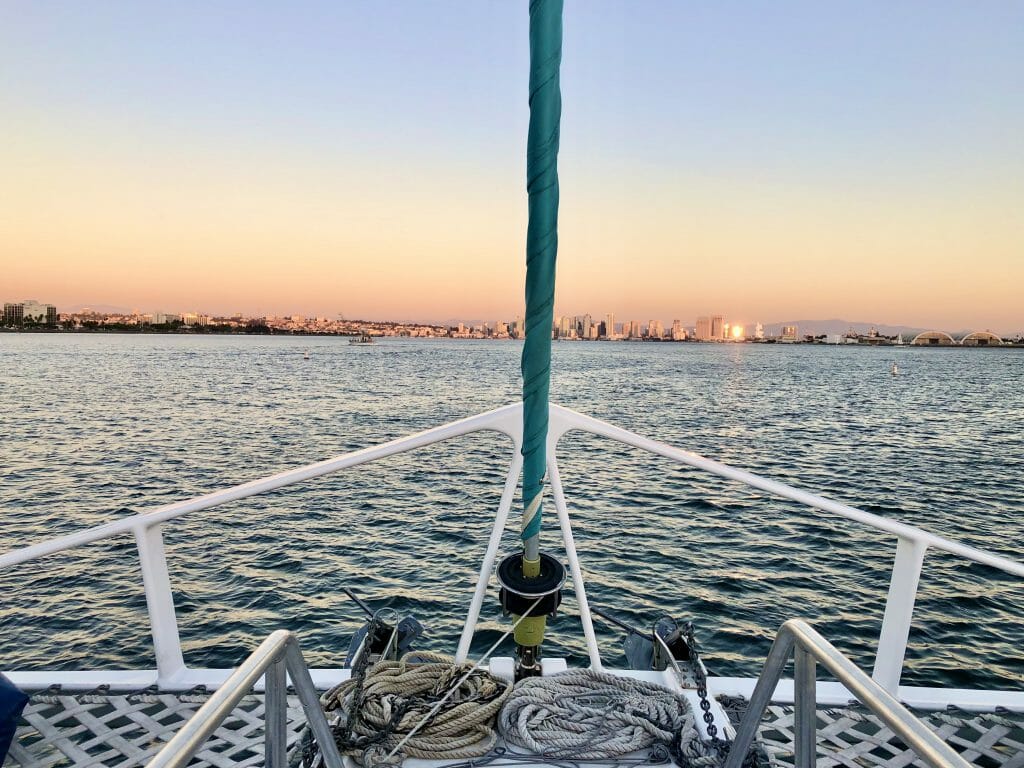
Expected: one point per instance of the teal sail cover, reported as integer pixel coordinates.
(541, 252)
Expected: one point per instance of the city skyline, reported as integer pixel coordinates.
(241, 160)
(714, 327)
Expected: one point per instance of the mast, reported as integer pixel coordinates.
(541, 252)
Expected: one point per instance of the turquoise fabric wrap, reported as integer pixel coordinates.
(541, 244)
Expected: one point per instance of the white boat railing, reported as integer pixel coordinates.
(278, 658)
(172, 673)
(809, 649)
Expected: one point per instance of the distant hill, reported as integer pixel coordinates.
(818, 327)
(102, 308)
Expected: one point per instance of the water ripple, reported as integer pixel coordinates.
(94, 428)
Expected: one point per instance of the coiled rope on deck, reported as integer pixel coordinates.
(394, 699)
(592, 715)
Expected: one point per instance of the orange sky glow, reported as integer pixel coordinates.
(103, 201)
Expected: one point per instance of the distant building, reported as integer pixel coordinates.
(678, 334)
(703, 329)
(933, 339)
(634, 329)
(519, 328)
(29, 311)
(717, 328)
(609, 326)
(13, 314)
(789, 333)
(981, 339)
(758, 331)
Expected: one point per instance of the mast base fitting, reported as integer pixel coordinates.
(527, 661)
(518, 592)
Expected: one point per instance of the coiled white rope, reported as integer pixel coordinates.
(593, 715)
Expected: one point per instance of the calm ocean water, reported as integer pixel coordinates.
(93, 428)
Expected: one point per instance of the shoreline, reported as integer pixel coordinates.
(327, 334)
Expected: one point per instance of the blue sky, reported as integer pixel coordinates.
(714, 114)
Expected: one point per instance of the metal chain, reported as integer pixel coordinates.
(702, 685)
(344, 729)
(718, 745)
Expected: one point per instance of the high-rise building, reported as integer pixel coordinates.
(703, 329)
(717, 328)
(655, 330)
(609, 325)
(678, 334)
(634, 329)
(758, 331)
(13, 313)
(585, 325)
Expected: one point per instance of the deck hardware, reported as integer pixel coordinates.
(530, 601)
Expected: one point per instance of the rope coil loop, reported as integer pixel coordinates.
(590, 715)
(385, 709)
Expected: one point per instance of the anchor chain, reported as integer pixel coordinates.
(719, 746)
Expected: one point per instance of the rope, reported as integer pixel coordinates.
(399, 697)
(399, 691)
(592, 715)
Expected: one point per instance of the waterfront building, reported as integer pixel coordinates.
(678, 334)
(933, 339)
(634, 329)
(758, 331)
(717, 328)
(585, 325)
(29, 311)
(655, 330)
(789, 333)
(981, 339)
(704, 328)
(609, 326)
(13, 314)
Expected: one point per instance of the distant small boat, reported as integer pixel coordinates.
(895, 369)
(305, 356)
(364, 339)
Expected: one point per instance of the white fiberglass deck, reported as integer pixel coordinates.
(171, 673)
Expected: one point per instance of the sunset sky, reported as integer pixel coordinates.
(763, 160)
